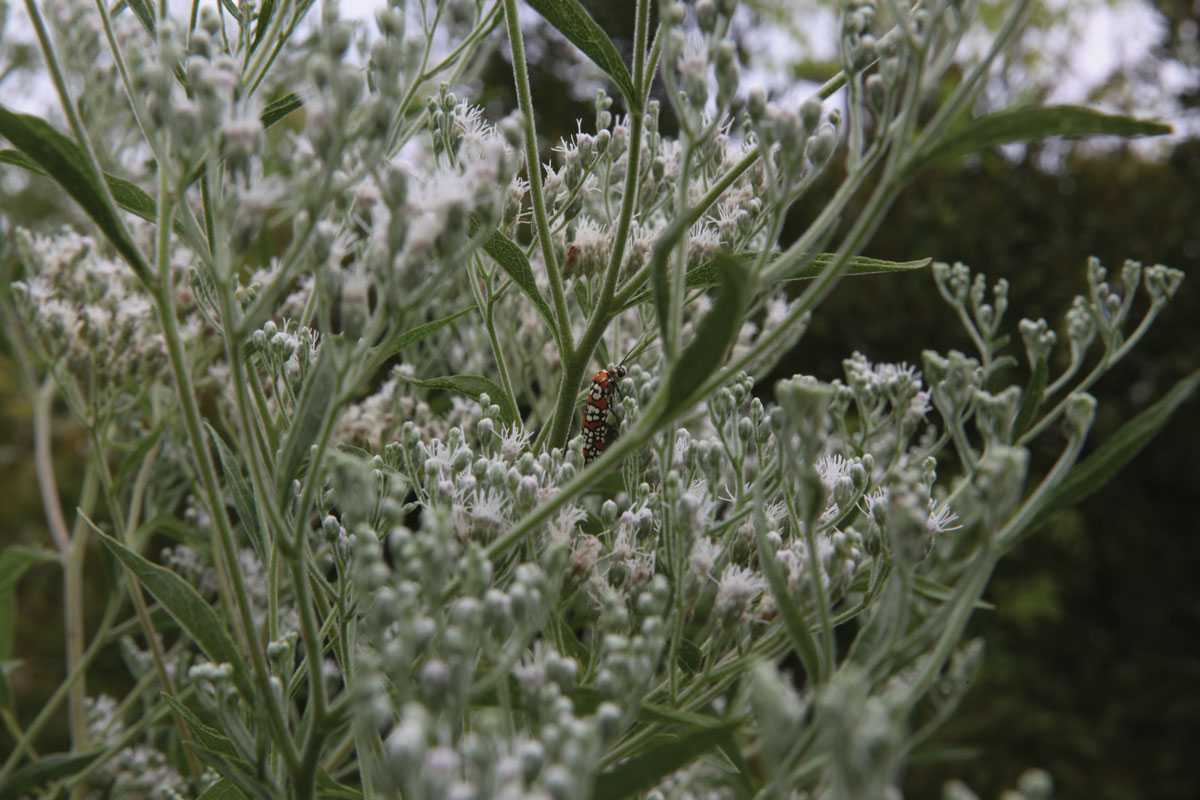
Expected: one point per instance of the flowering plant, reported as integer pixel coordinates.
(338, 354)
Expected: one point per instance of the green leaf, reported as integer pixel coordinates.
(320, 387)
(219, 752)
(184, 604)
(1031, 398)
(571, 20)
(279, 108)
(472, 386)
(45, 769)
(127, 194)
(650, 766)
(329, 789)
(204, 734)
(63, 160)
(222, 790)
(1040, 122)
(239, 489)
(793, 620)
(139, 8)
(14, 560)
(1098, 469)
(262, 22)
(932, 590)
(512, 260)
(715, 334)
(393, 345)
(6, 667)
(705, 275)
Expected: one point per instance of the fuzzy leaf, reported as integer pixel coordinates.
(320, 386)
(1099, 468)
(1031, 398)
(222, 790)
(706, 274)
(1040, 122)
(570, 19)
(63, 160)
(715, 334)
(932, 590)
(45, 769)
(218, 751)
(329, 789)
(472, 386)
(239, 488)
(206, 736)
(279, 108)
(390, 347)
(140, 9)
(261, 22)
(512, 260)
(184, 604)
(14, 560)
(793, 620)
(646, 770)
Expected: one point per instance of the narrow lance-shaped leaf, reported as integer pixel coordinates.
(318, 392)
(706, 274)
(647, 769)
(277, 109)
(714, 335)
(140, 9)
(63, 160)
(184, 603)
(393, 345)
(510, 258)
(1041, 122)
(472, 386)
(219, 752)
(15, 559)
(239, 489)
(262, 21)
(571, 20)
(45, 769)
(793, 620)
(205, 735)
(222, 790)
(127, 194)
(1097, 469)
(13, 563)
(1031, 398)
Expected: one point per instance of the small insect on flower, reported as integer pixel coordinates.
(597, 432)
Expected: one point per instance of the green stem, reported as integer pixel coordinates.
(575, 362)
(534, 169)
(656, 416)
(73, 614)
(136, 262)
(76, 671)
(237, 605)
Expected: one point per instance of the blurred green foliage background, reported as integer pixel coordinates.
(1092, 664)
